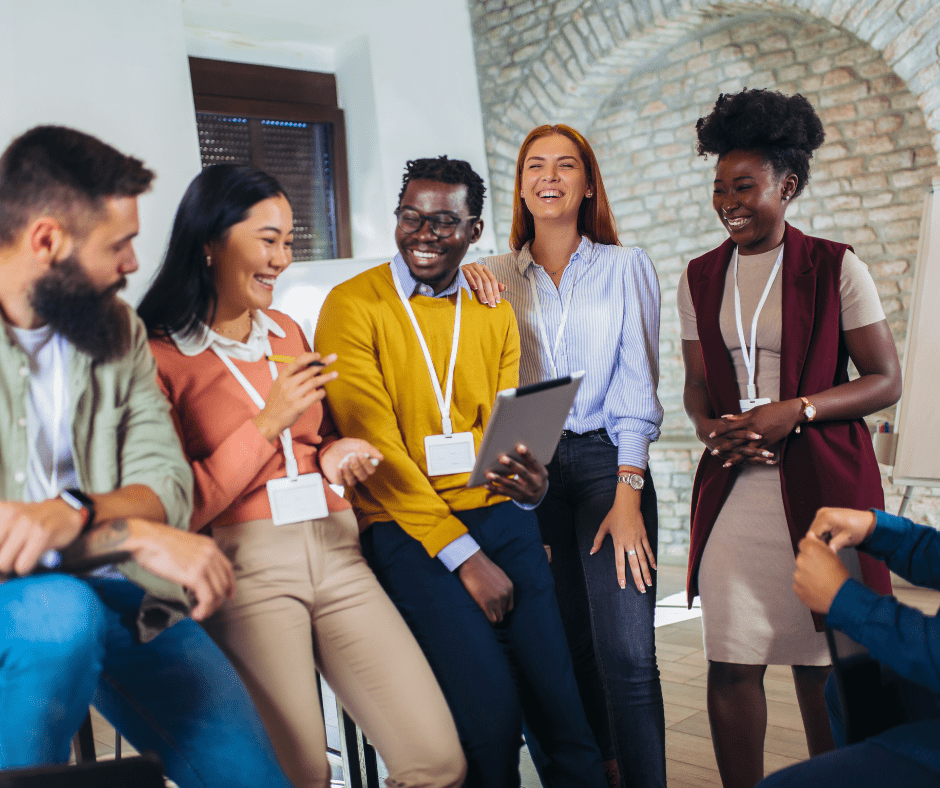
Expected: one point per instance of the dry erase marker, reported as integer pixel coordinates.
(291, 360)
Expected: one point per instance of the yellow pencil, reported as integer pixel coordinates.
(290, 360)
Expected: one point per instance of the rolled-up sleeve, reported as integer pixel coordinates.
(150, 450)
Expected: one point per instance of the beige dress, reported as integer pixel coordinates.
(750, 614)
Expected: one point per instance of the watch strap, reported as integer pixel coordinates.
(81, 503)
(635, 480)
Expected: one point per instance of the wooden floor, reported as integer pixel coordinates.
(690, 760)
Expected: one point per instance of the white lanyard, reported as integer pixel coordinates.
(51, 482)
(553, 350)
(252, 392)
(750, 358)
(443, 399)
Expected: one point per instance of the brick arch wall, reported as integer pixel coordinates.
(634, 77)
(557, 60)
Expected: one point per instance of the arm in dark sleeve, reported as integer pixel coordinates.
(904, 639)
(900, 637)
(910, 550)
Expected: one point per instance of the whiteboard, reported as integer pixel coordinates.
(917, 462)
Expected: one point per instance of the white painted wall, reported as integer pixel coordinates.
(113, 68)
(406, 79)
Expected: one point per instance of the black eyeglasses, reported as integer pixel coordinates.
(442, 225)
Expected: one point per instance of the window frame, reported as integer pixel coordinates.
(249, 90)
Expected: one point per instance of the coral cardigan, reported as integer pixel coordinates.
(830, 463)
(231, 460)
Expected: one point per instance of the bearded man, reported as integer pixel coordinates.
(90, 470)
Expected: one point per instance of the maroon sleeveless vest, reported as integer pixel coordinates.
(831, 463)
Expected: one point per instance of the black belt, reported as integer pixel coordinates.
(573, 434)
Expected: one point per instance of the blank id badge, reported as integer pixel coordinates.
(297, 499)
(747, 404)
(447, 454)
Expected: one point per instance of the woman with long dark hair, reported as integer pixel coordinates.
(769, 322)
(246, 394)
(583, 302)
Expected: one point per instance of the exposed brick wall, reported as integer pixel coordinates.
(635, 76)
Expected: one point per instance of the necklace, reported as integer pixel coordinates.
(553, 273)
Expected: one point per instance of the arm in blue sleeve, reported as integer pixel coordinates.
(910, 550)
(900, 637)
(632, 411)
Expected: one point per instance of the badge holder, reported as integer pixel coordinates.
(449, 454)
(296, 499)
(747, 404)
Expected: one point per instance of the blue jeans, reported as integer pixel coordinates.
(493, 675)
(68, 643)
(609, 629)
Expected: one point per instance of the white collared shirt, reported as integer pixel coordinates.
(253, 349)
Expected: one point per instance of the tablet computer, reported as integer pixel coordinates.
(531, 415)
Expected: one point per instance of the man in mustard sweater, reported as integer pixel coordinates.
(420, 362)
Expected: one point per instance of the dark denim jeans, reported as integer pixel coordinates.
(609, 629)
(68, 642)
(493, 675)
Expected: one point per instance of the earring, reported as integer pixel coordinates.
(786, 197)
(209, 261)
(589, 195)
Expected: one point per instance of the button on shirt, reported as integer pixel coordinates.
(612, 333)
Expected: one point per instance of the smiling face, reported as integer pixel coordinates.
(553, 181)
(751, 200)
(432, 260)
(251, 255)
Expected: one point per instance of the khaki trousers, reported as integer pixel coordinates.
(305, 599)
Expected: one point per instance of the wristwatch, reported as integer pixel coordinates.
(80, 503)
(633, 479)
(808, 412)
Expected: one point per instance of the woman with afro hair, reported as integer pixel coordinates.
(769, 322)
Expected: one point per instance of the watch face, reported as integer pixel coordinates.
(810, 412)
(636, 481)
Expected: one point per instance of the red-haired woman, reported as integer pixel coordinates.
(583, 302)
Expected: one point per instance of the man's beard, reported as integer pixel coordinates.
(95, 322)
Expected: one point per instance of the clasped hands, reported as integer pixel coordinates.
(819, 573)
(748, 437)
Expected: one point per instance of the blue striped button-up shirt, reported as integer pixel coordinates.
(612, 334)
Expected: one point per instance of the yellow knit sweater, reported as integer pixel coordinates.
(384, 395)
